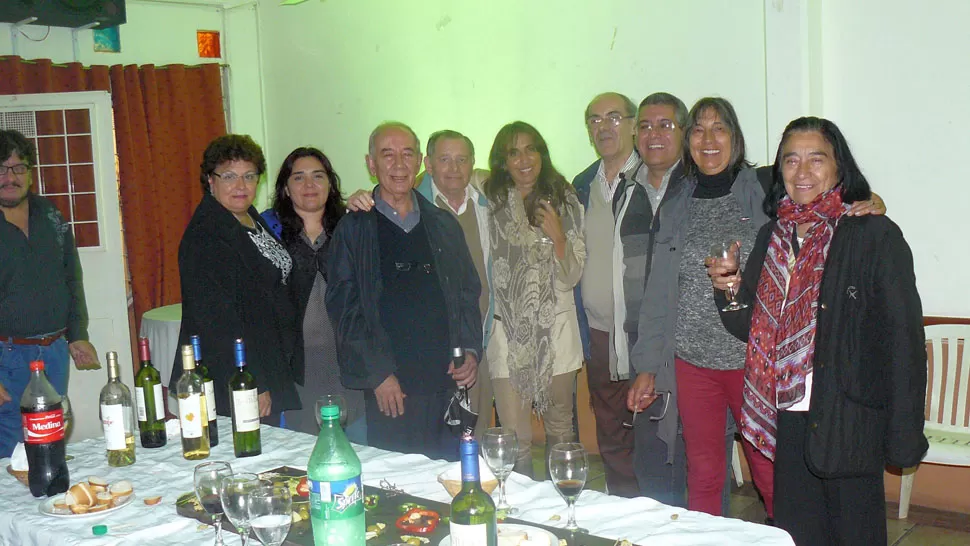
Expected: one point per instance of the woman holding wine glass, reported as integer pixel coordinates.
(825, 288)
(537, 252)
(306, 208)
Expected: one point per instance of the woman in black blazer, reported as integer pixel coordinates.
(235, 282)
(835, 375)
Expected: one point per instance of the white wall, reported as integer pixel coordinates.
(896, 79)
(334, 70)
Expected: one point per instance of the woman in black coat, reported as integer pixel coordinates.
(835, 375)
(235, 283)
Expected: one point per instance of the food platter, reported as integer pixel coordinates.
(47, 508)
(506, 527)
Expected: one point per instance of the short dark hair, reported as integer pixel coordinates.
(550, 185)
(724, 110)
(230, 148)
(666, 99)
(631, 109)
(448, 134)
(333, 210)
(14, 142)
(854, 185)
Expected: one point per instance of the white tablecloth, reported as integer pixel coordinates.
(161, 326)
(164, 472)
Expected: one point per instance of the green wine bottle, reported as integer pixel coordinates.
(210, 392)
(473, 520)
(149, 400)
(245, 408)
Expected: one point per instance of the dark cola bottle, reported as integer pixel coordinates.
(43, 420)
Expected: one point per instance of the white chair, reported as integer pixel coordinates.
(947, 415)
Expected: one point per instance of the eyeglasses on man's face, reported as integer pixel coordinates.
(18, 169)
(664, 126)
(613, 119)
(230, 177)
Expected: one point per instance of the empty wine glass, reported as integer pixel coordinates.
(269, 513)
(500, 450)
(332, 400)
(208, 479)
(236, 494)
(729, 253)
(568, 467)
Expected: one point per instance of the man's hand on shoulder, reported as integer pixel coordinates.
(361, 200)
(84, 354)
(390, 397)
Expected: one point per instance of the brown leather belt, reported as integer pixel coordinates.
(42, 341)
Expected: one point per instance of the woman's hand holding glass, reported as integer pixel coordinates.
(723, 267)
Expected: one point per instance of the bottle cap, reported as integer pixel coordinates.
(188, 357)
(144, 353)
(99, 530)
(36, 365)
(330, 412)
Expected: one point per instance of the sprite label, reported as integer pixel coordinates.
(342, 499)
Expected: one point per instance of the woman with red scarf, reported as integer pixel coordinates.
(835, 374)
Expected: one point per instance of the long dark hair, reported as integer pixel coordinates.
(292, 223)
(854, 185)
(550, 185)
(729, 118)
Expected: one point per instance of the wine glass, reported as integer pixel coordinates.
(332, 400)
(236, 494)
(68, 416)
(269, 513)
(208, 479)
(729, 253)
(500, 450)
(568, 467)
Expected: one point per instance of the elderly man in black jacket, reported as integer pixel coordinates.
(402, 293)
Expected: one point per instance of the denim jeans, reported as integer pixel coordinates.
(14, 376)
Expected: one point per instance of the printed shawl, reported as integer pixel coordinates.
(523, 278)
(781, 342)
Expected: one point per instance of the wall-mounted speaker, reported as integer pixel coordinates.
(64, 13)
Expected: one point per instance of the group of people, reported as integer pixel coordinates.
(527, 277)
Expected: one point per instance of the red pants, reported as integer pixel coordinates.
(702, 396)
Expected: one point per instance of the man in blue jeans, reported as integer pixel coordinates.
(43, 315)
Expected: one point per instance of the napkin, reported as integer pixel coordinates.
(18, 461)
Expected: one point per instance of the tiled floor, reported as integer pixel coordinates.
(923, 527)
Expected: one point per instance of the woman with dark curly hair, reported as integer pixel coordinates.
(306, 208)
(537, 252)
(236, 282)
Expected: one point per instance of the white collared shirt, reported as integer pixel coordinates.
(435, 193)
(608, 187)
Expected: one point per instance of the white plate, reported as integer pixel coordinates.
(47, 508)
(529, 530)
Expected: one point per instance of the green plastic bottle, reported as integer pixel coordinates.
(473, 520)
(336, 493)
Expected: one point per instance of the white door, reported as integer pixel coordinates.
(74, 135)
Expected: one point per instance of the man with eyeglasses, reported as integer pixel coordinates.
(402, 292)
(43, 314)
(610, 123)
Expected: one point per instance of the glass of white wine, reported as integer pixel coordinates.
(269, 513)
(568, 466)
(500, 450)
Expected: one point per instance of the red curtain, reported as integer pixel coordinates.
(164, 117)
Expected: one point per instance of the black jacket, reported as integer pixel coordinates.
(229, 291)
(354, 288)
(869, 384)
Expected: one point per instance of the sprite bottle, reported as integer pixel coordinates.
(336, 494)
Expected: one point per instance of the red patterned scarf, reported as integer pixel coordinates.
(781, 343)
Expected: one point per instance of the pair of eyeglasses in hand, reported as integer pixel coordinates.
(662, 394)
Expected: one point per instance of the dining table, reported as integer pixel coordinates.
(163, 472)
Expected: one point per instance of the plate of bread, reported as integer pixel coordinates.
(89, 498)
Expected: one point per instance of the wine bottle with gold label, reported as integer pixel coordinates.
(192, 409)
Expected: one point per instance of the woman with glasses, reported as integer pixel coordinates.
(537, 252)
(236, 282)
(306, 208)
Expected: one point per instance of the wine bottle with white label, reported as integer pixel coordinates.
(117, 417)
(210, 392)
(473, 520)
(192, 409)
(245, 408)
(149, 400)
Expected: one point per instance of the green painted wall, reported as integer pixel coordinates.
(336, 68)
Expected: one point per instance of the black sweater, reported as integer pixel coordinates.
(869, 383)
